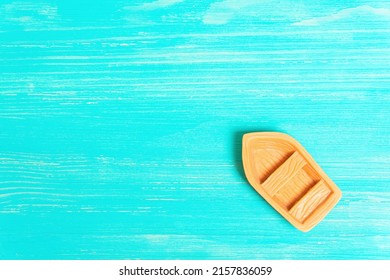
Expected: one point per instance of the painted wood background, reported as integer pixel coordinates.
(121, 125)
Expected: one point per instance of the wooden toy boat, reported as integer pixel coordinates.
(288, 178)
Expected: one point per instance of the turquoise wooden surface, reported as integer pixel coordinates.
(121, 125)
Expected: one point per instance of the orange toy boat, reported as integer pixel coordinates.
(288, 178)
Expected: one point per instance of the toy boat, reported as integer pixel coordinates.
(288, 178)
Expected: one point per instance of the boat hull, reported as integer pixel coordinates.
(287, 177)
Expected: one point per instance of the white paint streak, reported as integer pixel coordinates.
(28, 14)
(158, 4)
(351, 13)
(223, 12)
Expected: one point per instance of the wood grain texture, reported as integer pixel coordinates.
(310, 201)
(121, 125)
(284, 173)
